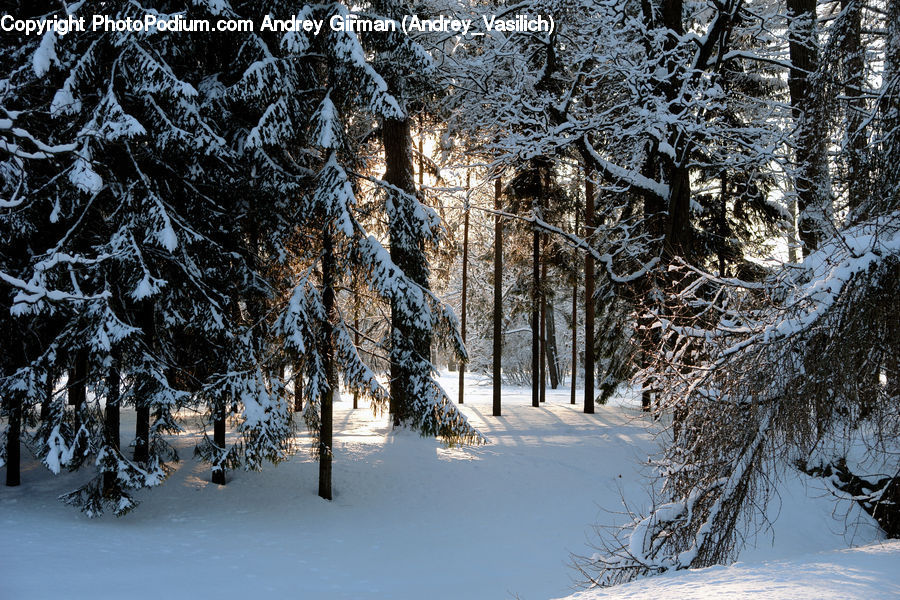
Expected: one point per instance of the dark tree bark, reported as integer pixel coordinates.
(465, 285)
(75, 389)
(536, 314)
(543, 324)
(297, 373)
(13, 447)
(857, 184)
(677, 231)
(498, 297)
(78, 385)
(408, 253)
(574, 318)
(143, 389)
(112, 421)
(142, 433)
(588, 294)
(810, 147)
(326, 426)
(551, 351)
(218, 471)
(48, 396)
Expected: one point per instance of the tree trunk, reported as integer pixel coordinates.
(543, 288)
(465, 283)
(857, 183)
(543, 340)
(326, 426)
(498, 298)
(793, 235)
(722, 222)
(810, 148)
(889, 146)
(551, 351)
(78, 386)
(13, 447)
(588, 294)
(408, 253)
(647, 339)
(143, 389)
(48, 396)
(536, 314)
(356, 343)
(218, 471)
(574, 318)
(142, 433)
(676, 215)
(297, 374)
(112, 421)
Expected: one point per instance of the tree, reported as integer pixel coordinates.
(498, 300)
(760, 367)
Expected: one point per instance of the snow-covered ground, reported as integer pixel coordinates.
(412, 519)
(867, 573)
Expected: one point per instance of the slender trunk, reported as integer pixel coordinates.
(551, 351)
(356, 344)
(574, 318)
(142, 432)
(218, 470)
(647, 340)
(421, 152)
(13, 447)
(78, 386)
(536, 314)
(498, 297)
(793, 237)
(465, 285)
(889, 146)
(588, 295)
(543, 317)
(326, 426)
(112, 421)
(543, 351)
(722, 225)
(48, 396)
(297, 374)
(143, 390)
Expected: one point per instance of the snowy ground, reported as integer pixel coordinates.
(410, 520)
(866, 573)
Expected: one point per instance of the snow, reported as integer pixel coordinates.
(83, 175)
(327, 125)
(862, 573)
(411, 519)
(45, 54)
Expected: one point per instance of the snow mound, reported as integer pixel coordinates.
(865, 573)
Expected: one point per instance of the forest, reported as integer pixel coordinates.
(228, 236)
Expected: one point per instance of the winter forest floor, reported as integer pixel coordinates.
(412, 519)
